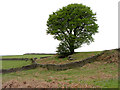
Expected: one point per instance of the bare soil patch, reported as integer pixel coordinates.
(43, 84)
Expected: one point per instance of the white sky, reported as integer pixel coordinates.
(23, 25)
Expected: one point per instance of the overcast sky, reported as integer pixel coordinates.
(23, 25)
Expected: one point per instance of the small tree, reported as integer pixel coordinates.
(73, 25)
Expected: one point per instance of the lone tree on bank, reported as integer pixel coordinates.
(73, 25)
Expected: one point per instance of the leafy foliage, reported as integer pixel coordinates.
(73, 25)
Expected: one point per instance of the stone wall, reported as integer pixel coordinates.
(39, 54)
(70, 65)
(33, 66)
(55, 66)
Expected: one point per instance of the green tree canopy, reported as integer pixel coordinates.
(73, 25)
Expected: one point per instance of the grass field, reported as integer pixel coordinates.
(99, 74)
(7, 64)
(25, 56)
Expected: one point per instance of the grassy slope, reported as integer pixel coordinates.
(77, 56)
(103, 74)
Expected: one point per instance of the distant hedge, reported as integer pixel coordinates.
(39, 54)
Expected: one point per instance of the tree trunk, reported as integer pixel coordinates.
(71, 50)
(71, 46)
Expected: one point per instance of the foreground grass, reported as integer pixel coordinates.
(100, 74)
(77, 56)
(97, 74)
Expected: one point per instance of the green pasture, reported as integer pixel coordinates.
(25, 56)
(7, 64)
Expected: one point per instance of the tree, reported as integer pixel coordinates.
(73, 25)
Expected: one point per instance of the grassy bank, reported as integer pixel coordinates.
(76, 56)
